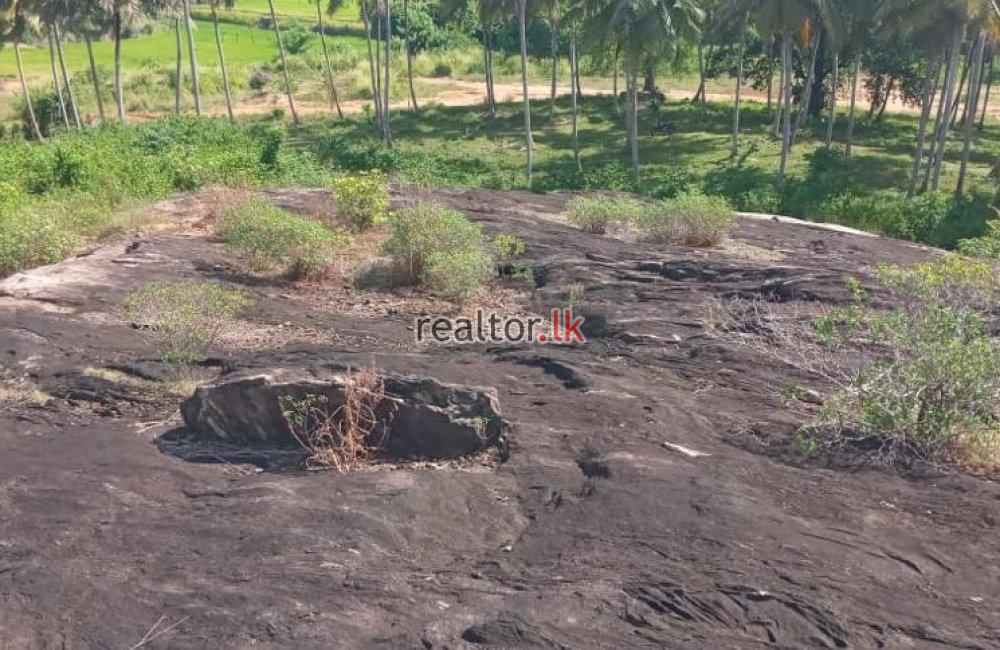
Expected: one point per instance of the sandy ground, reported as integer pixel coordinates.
(461, 92)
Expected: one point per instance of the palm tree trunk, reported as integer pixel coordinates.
(119, 94)
(833, 100)
(614, 87)
(786, 128)
(970, 115)
(554, 53)
(989, 87)
(193, 56)
(334, 98)
(932, 151)
(807, 93)
(930, 89)
(735, 150)
(27, 95)
(776, 127)
(488, 70)
(372, 67)
(961, 84)
(222, 62)
(378, 69)
(284, 65)
(55, 78)
(770, 76)
(855, 75)
(956, 47)
(522, 29)
(95, 78)
(574, 91)
(409, 55)
(388, 68)
(67, 82)
(632, 79)
(179, 67)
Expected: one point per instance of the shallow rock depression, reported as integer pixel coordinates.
(429, 419)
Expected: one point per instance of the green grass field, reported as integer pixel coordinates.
(457, 146)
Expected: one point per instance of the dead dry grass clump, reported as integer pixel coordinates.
(343, 437)
(22, 392)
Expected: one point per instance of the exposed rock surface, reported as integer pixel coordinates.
(423, 418)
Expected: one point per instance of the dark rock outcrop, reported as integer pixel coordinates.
(429, 419)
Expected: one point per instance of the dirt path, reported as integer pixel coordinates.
(461, 92)
(600, 531)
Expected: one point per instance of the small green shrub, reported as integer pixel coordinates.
(184, 318)
(425, 229)
(933, 379)
(597, 214)
(458, 274)
(691, 219)
(506, 250)
(271, 238)
(987, 246)
(30, 236)
(362, 200)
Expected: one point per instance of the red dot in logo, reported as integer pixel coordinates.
(541, 337)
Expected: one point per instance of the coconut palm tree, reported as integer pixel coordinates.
(284, 64)
(332, 7)
(490, 13)
(56, 84)
(785, 18)
(386, 6)
(409, 54)
(67, 80)
(178, 65)
(229, 4)
(91, 19)
(14, 25)
(192, 56)
(641, 31)
(522, 23)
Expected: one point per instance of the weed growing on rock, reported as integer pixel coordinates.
(507, 249)
(438, 245)
(691, 219)
(600, 213)
(457, 275)
(362, 199)
(268, 237)
(344, 437)
(184, 318)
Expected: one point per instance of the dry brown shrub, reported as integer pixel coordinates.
(346, 437)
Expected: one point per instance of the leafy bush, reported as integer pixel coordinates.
(890, 213)
(362, 200)
(987, 246)
(420, 232)
(597, 214)
(353, 154)
(506, 250)
(692, 219)
(184, 318)
(933, 383)
(269, 237)
(29, 237)
(458, 274)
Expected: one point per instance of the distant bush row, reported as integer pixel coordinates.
(55, 197)
(691, 219)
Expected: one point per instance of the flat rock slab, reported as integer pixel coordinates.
(429, 419)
